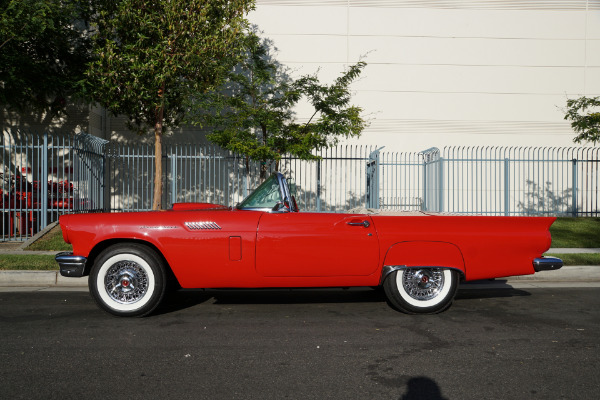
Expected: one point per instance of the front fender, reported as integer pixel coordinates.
(423, 254)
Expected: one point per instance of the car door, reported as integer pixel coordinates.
(211, 249)
(316, 245)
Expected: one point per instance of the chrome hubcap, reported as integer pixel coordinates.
(126, 282)
(423, 284)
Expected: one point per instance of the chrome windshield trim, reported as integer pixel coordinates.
(284, 193)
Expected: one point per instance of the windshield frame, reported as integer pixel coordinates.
(285, 196)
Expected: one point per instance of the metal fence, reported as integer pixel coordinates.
(196, 173)
(43, 176)
(492, 180)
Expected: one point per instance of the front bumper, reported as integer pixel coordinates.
(70, 265)
(547, 264)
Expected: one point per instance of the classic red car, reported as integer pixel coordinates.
(265, 242)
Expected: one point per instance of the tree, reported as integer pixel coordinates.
(43, 52)
(153, 54)
(584, 114)
(252, 113)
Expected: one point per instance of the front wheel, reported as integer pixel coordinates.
(128, 280)
(421, 290)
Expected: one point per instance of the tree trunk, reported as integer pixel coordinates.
(158, 130)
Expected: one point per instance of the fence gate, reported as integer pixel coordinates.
(45, 175)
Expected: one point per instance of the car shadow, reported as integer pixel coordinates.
(186, 298)
(298, 296)
(178, 300)
(488, 289)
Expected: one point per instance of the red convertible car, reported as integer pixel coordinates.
(265, 242)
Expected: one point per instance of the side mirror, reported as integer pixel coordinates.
(281, 207)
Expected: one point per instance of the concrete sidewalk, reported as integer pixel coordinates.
(563, 250)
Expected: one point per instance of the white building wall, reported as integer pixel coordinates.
(443, 73)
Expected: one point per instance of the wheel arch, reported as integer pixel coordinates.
(423, 254)
(388, 269)
(103, 245)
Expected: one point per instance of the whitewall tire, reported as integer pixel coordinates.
(128, 280)
(421, 290)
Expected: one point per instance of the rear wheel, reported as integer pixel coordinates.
(421, 290)
(128, 280)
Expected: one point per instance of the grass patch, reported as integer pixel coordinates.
(576, 232)
(11, 262)
(578, 259)
(51, 241)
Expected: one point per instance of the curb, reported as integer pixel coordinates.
(39, 279)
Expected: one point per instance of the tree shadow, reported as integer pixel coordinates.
(74, 118)
(546, 201)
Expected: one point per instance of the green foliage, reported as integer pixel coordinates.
(151, 54)
(43, 52)
(584, 114)
(252, 113)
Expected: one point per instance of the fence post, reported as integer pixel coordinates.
(574, 194)
(425, 199)
(506, 188)
(318, 185)
(102, 194)
(373, 180)
(173, 179)
(441, 185)
(43, 182)
(107, 157)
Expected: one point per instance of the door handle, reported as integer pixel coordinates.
(366, 224)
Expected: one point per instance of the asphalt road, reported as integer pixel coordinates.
(303, 344)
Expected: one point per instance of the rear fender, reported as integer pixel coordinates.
(423, 254)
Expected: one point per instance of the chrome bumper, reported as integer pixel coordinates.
(70, 265)
(547, 264)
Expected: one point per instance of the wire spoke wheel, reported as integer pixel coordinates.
(128, 280)
(421, 290)
(423, 284)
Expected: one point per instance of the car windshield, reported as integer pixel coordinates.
(267, 195)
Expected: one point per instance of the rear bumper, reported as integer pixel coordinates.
(547, 264)
(70, 265)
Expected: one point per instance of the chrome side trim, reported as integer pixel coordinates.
(202, 225)
(388, 269)
(70, 265)
(547, 264)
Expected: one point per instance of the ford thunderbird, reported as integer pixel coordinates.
(266, 242)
